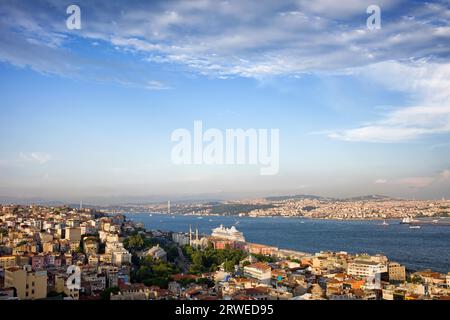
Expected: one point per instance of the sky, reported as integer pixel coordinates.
(87, 114)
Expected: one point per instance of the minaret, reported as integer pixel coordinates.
(196, 234)
(168, 207)
(81, 205)
(190, 234)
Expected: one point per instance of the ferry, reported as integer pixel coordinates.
(414, 227)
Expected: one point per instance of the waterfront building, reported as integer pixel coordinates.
(396, 272)
(198, 243)
(365, 268)
(261, 249)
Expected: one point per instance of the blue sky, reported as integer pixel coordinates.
(89, 113)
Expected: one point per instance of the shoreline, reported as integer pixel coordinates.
(296, 252)
(279, 216)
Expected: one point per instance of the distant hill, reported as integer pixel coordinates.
(368, 197)
(314, 197)
(295, 197)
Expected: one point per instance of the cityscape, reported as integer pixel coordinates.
(224, 157)
(82, 254)
(374, 207)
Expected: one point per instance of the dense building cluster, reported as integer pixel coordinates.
(323, 208)
(64, 253)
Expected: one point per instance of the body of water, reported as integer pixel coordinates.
(427, 247)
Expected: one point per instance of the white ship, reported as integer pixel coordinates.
(229, 234)
(408, 220)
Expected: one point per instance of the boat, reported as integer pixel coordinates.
(414, 227)
(150, 215)
(385, 223)
(228, 234)
(407, 220)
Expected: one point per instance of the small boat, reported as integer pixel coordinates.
(385, 223)
(199, 217)
(150, 215)
(210, 220)
(414, 227)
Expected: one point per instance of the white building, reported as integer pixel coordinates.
(119, 255)
(181, 239)
(365, 268)
(157, 253)
(259, 271)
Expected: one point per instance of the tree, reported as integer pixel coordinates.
(229, 266)
(246, 263)
(134, 242)
(106, 294)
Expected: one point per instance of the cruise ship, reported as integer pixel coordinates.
(229, 234)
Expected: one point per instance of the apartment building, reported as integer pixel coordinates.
(259, 271)
(365, 268)
(396, 272)
(8, 261)
(29, 284)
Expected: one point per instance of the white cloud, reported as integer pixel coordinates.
(427, 84)
(156, 85)
(37, 157)
(440, 179)
(234, 38)
(380, 181)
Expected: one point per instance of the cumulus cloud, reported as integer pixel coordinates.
(252, 39)
(236, 38)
